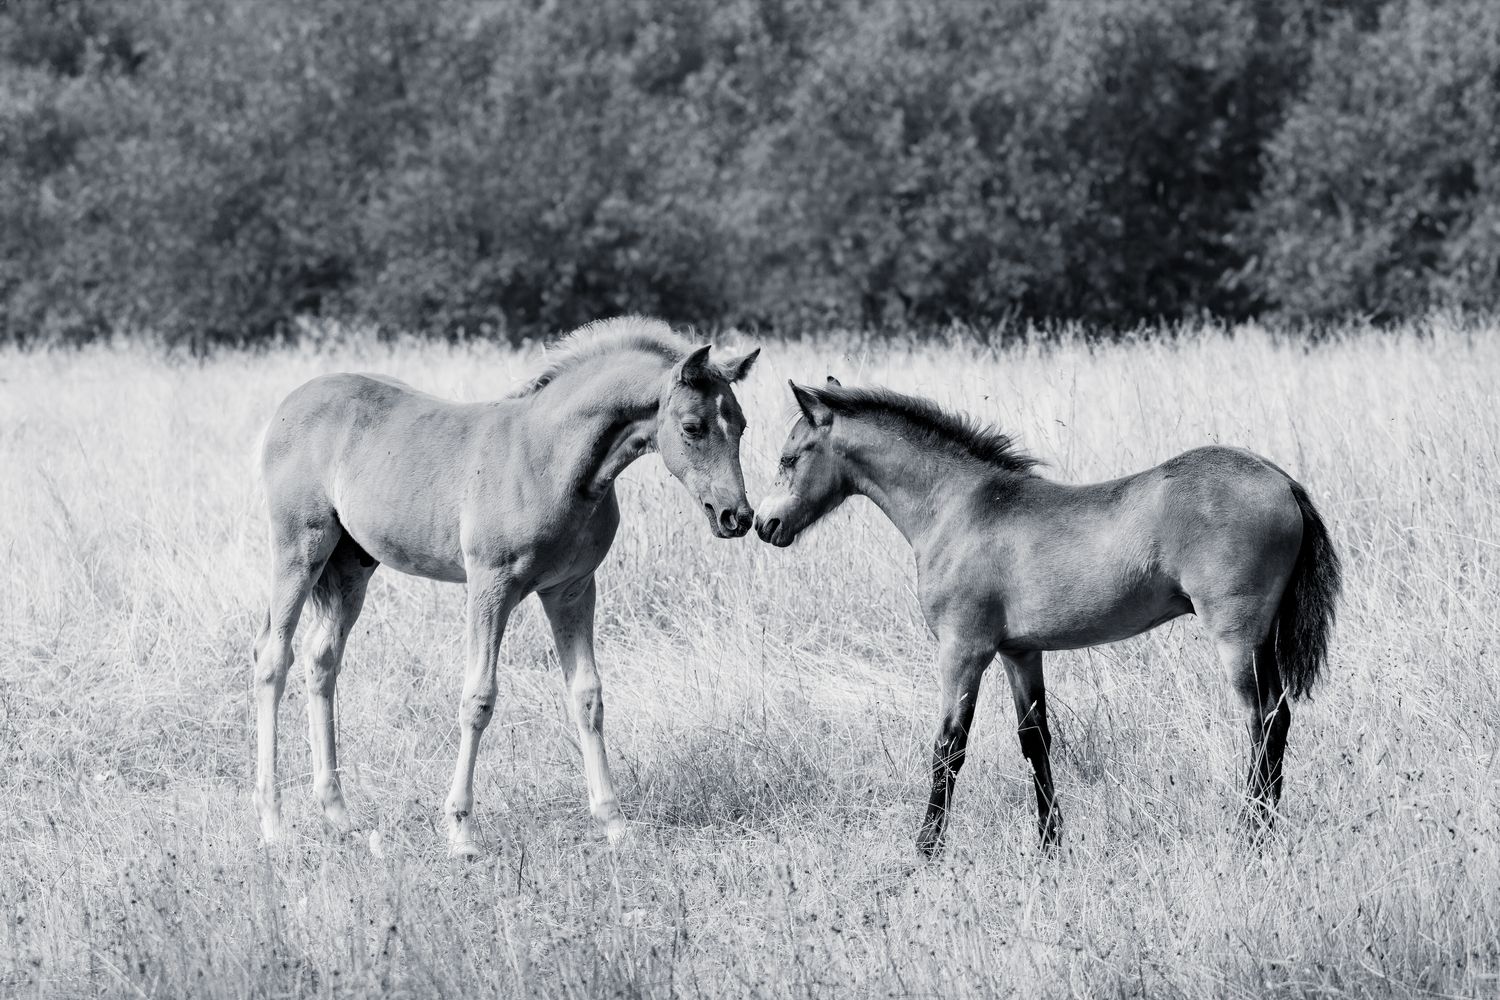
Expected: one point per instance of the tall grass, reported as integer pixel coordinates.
(768, 713)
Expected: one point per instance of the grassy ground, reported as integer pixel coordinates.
(769, 714)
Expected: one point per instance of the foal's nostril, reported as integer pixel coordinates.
(767, 529)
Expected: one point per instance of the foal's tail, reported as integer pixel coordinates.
(1307, 607)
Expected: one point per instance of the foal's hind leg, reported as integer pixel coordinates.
(1257, 680)
(1030, 695)
(300, 547)
(336, 601)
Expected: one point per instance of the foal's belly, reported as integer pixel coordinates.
(407, 548)
(1077, 618)
(408, 532)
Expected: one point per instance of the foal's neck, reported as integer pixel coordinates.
(594, 424)
(913, 485)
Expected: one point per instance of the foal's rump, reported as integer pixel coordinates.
(383, 460)
(1254, 556)
(1229, 504)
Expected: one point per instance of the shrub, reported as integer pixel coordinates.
(210, 170)
(566, 182)
(970, 160)
(1382, 184)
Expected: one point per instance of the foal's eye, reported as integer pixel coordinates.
(693, 429)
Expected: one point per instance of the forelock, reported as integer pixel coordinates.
(718, 396)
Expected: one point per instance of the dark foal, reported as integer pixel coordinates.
(1012, 564)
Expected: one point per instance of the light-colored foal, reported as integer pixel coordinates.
(509, 497)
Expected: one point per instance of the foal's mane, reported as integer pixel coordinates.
(930, 422)
(620, 335)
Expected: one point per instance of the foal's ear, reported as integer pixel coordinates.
(737, 368)
(834, 381)
(693, 369)
(814, 409)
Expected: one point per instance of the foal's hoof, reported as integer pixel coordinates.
(611, 821)
(272, 830)
(929, 844)
(1051, 837)
(465, 850)
(1258, 831)
(336, 815)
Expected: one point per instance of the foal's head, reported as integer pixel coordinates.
(698, 434)
(811, 480)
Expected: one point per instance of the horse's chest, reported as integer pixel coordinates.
(567, 559)
(576, 551)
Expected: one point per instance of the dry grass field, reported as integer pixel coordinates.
(769, 713)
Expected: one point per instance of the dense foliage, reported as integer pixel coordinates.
(212, 169)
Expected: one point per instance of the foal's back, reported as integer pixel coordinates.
(1066, 566)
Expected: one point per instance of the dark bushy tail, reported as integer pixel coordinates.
(1307, 609)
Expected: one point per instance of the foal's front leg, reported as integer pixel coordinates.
(1030, 695)
(570, 609)
(492, 596)
(961, 666)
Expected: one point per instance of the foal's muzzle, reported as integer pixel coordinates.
(730, 522)
(769, 530)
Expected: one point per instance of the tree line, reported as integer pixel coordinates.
(212, 170)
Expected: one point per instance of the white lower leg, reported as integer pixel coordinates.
(326, 787)
(322, 657)
(271, 670)
(462, 841)
(588, 713)
(473, 718)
